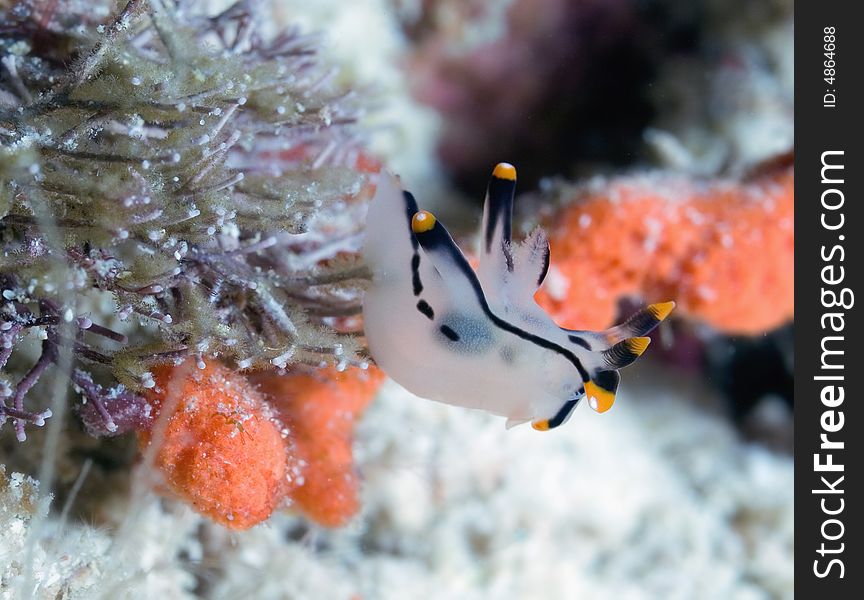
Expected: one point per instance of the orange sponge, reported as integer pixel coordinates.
(219, 451)
(320, 411)
(722, 249)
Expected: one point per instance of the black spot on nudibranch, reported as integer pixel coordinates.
(466, 334)
(580, 342)
(424, 308)
(449, 333)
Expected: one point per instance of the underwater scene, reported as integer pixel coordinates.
(396, 299)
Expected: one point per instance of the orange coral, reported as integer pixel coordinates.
(722, 249)
(320, 410)
(219, 451)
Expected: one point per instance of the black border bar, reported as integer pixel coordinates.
(829, 227)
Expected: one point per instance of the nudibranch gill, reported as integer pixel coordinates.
(478, 339)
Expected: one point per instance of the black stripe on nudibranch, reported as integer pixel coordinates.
(545, 269)
(508, 256)
(424, 308)
(624, 353)
(415, 274)
(646, 319)
(449, 333)
(563, 414)
(619, 355)
(500, 204)
(641, 323)
(580, 341)
(410, 209)
(437, 239)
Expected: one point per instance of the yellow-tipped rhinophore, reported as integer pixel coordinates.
(422, 221)
(661, 310)
(599, 399)
(505, 171)
(637, 345)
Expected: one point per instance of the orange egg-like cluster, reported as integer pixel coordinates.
(722, 249)
(219, 449)
(320, 410)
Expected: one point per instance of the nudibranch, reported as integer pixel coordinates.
(478, 339)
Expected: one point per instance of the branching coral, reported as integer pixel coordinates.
(185, 169)
(722, 248)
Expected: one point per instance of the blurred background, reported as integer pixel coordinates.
(654, 141)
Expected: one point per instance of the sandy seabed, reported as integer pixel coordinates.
(659, 498)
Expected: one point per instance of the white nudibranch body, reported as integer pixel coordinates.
(478, 339)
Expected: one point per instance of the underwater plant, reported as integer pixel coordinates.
(173, 186)
(479, 339)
